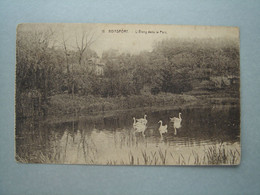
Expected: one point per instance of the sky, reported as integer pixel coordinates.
(132, 38)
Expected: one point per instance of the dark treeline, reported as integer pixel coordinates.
(173, 66)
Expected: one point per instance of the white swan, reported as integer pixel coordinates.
(139, 127)
(176, 123)
(142, 120)
(135, 124)
(162, 129)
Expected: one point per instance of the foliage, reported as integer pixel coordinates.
(174, 66)
(64, 104)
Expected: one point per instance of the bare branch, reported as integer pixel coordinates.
(87, 39)
(77, 43)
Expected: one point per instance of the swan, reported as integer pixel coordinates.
(135, 124)
(142, 120)
(176, 123)
(139, 127)
(162, 129)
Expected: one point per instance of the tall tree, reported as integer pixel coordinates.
(83, 42)
(33, 66)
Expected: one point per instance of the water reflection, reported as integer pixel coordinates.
(113, 140)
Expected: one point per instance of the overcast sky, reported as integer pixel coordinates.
(134, 39)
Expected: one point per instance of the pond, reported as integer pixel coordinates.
(207, 136)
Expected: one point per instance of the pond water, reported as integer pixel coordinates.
(207, 136)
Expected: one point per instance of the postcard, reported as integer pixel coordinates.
(127, 94)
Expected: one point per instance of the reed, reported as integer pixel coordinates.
(216, 155)
(163, 155)
(130, 153)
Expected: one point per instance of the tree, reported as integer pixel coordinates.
(34, 66)
(83, 43)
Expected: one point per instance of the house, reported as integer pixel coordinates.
(233, 79)
(97, 66)
(221, 81)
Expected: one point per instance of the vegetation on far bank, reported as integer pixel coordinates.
(62, 104)
(81, 105)
(52, 79)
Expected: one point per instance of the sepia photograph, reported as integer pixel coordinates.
(127, 94)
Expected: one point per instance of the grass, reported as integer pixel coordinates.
(211, 155)
(64, 104)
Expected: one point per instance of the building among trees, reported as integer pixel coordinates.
(97, 66)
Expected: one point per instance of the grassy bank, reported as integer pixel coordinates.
(64, 104)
